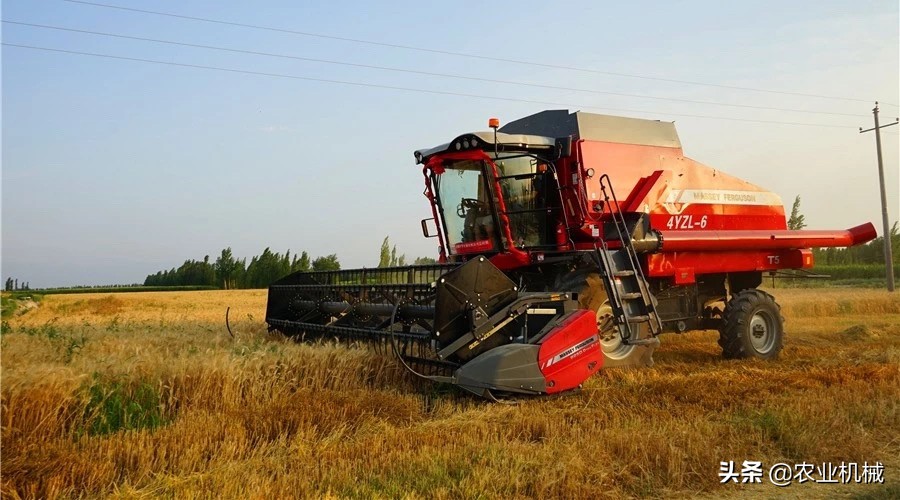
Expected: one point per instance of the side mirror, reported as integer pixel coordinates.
(564, 147)
(427, 228)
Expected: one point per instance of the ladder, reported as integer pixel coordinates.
(626, 286)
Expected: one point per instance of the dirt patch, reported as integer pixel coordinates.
(858, 332)
(105, 306)
(26, 305)
(101, 306)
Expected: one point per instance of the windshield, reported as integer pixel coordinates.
(466, 208)
(524, 181)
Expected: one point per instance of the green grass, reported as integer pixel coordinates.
(10, 301)
(115, 405)
(8, 306)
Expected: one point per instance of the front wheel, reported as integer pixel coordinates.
(752, 326)
(616, 353)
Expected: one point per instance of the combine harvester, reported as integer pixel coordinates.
(546, 276)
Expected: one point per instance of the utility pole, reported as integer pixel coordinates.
(888, 255)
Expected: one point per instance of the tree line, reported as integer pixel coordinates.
(228, 272)
(13, 285)
(390, 258)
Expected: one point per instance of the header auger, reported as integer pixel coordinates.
(546, 275)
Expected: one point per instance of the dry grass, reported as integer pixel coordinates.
(139, 395)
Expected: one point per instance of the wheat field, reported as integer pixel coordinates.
(147, 395)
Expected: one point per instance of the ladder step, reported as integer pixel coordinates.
(631, 295)
(623, 273)
(639, 319)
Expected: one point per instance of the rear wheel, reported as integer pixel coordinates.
(752, 326)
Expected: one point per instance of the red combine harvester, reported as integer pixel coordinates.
(546, 275)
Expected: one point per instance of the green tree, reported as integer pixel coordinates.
(421, 261)
(208, 272)
(301, 263)
(229, 272)
(389, 256)
(384, 260)
(286, 261)
(326, 263)
(240, 273)
(265, 269)
(797, 220)
(226, 268)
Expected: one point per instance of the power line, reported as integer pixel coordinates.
(457, 54)
(417, 72)
(403, 89)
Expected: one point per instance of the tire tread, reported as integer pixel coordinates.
(732, 335)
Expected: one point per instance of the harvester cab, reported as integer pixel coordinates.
(493, 193)
(546, 275)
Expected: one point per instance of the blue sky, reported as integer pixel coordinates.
(112, 170)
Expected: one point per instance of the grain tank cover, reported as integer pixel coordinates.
(596, 127)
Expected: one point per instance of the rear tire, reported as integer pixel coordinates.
(752, 326)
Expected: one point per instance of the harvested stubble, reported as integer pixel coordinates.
(147, 395)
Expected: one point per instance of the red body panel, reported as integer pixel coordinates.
(570, 353)
(709, 221)
(684, 266)
(676, 191)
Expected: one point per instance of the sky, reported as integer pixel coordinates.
(115, 169)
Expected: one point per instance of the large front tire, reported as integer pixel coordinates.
(752, 326)
(616, 354)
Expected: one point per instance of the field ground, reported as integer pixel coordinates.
(146, 394)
